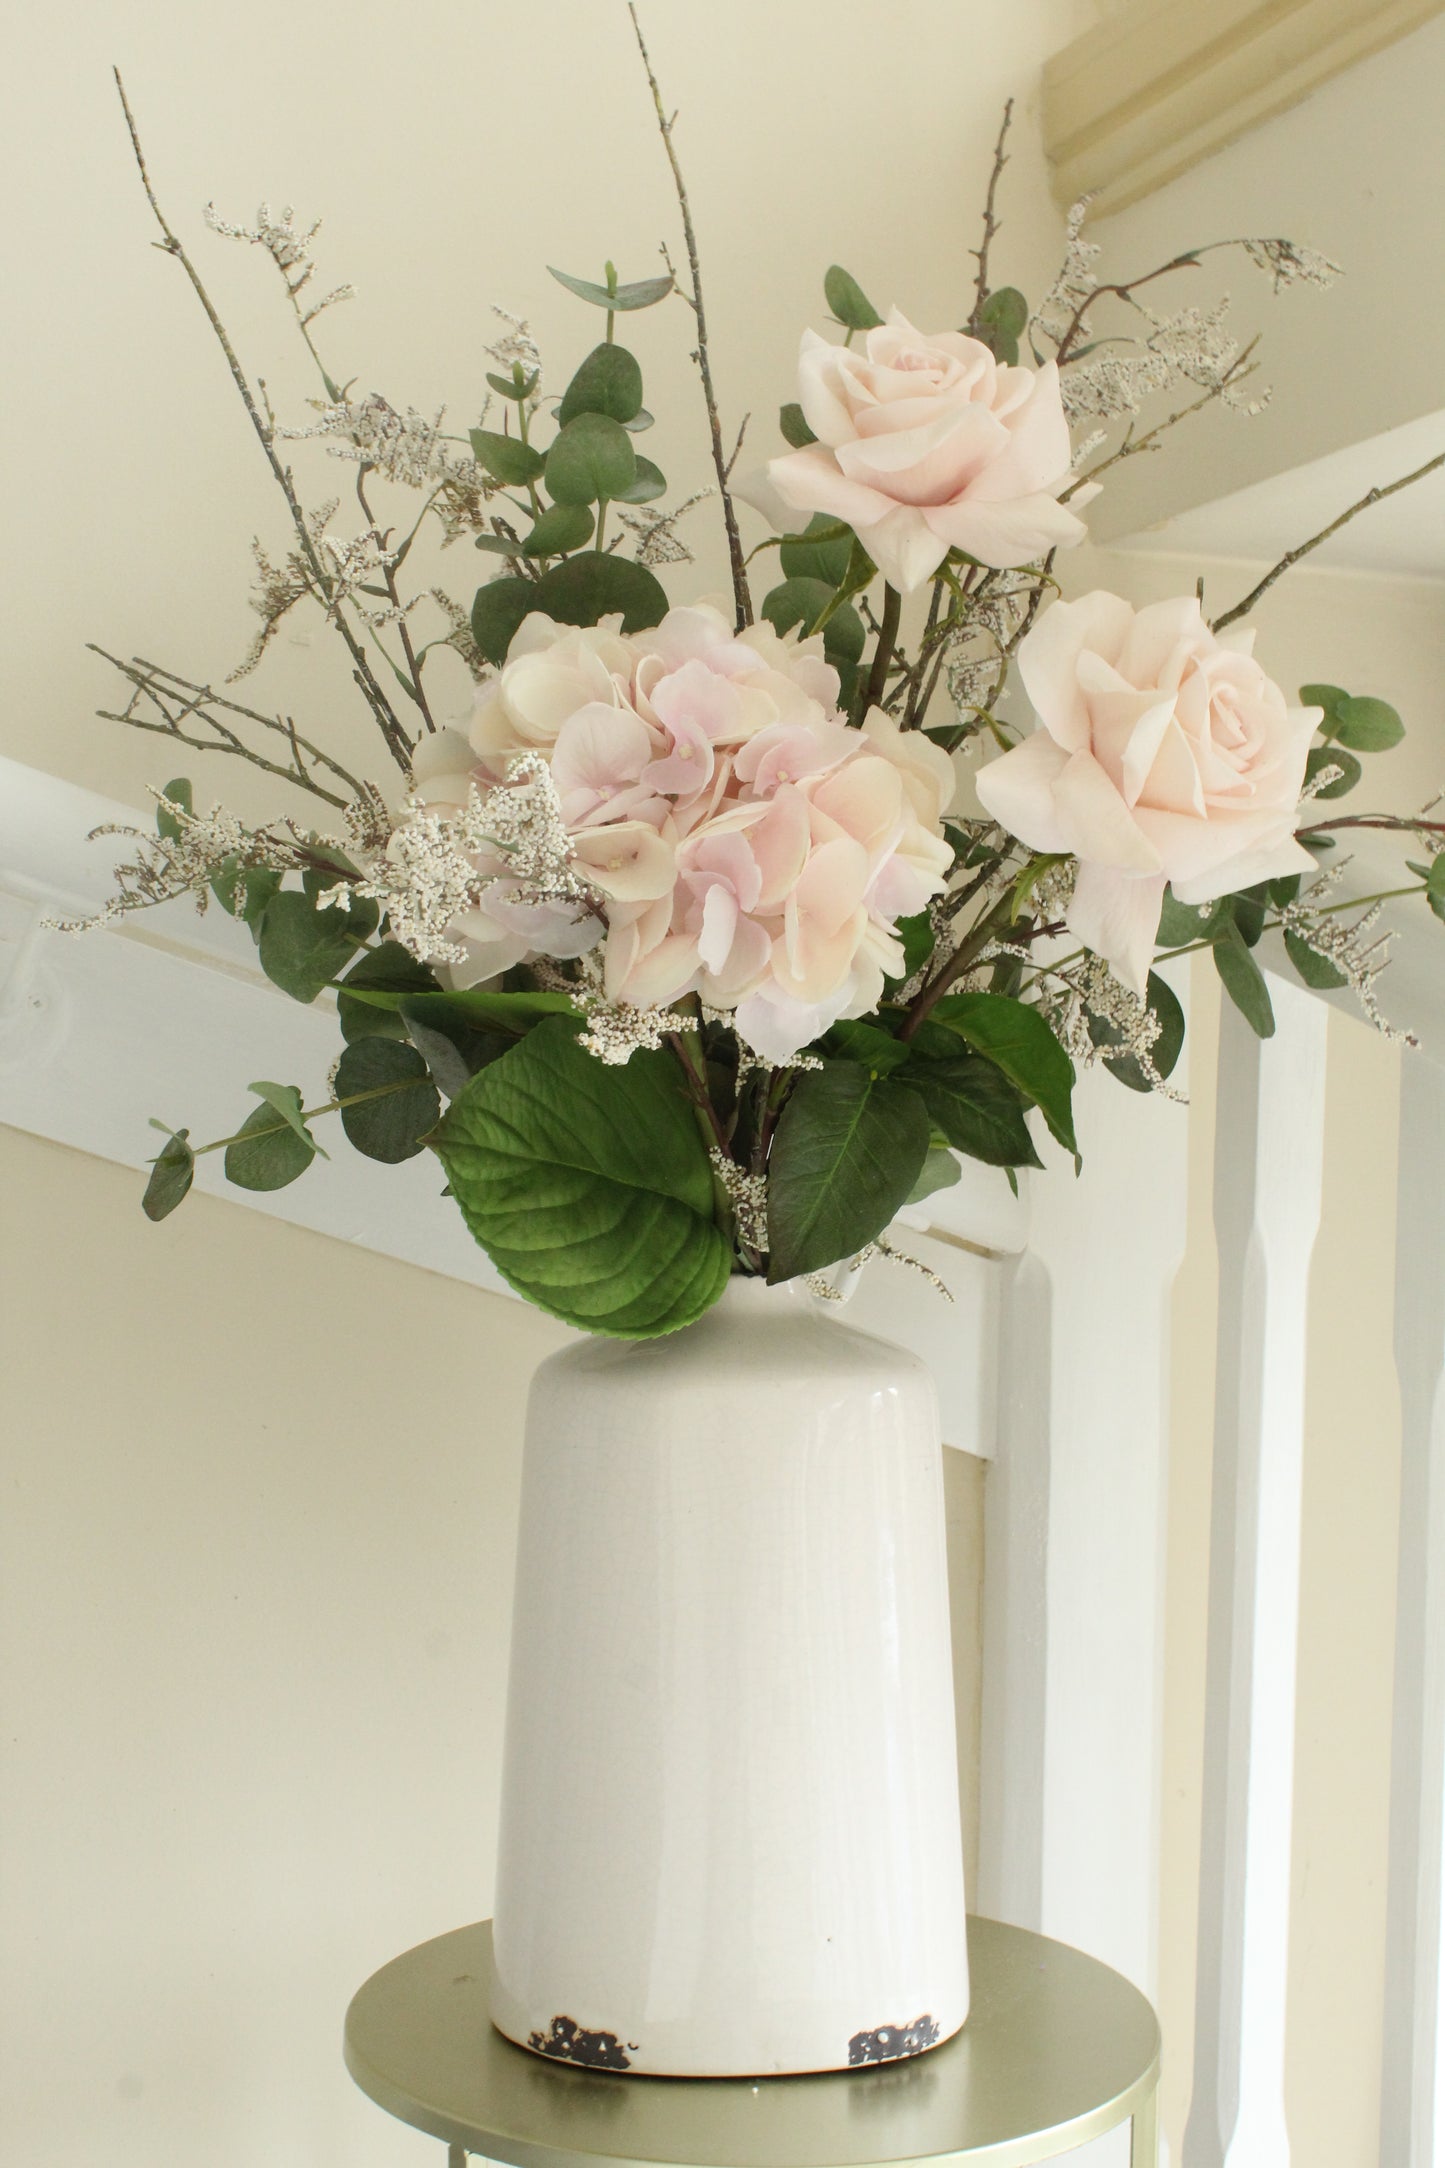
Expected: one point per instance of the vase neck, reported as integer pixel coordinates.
(748, 1296)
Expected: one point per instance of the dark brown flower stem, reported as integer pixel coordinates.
(966, 954)
(883, 652)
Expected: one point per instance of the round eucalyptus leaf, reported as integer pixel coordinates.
(497, 611)
(649, 484)
(846, 298)
(304, 948)
(393, 1101)
(608, 382)
(389, 969)
(268, 1152)
(593, 585)
(592, 458)
(794, 425)
(635, 294)
(172, 1171)
(562, 527)
(507, 459)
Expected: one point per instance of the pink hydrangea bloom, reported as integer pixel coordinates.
(744, 843)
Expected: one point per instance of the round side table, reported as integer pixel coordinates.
(1057, 2050)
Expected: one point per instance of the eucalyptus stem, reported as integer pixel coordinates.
(742, 596)
(308, 1114)
(1323, 910)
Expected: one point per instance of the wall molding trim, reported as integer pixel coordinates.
(1161, 84)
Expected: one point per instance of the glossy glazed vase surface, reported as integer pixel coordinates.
(730, 1832)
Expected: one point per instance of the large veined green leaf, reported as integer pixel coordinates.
(1016, 1038)
(849, 1147)
(588, 1185)
(973, 1104)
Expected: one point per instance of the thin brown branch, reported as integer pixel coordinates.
(1302, 549)
(389, 566)
(883, 651)
(990, 223)
(177, 700)
(1189, 261)
(741, 596)
(742, 432)
(1398, 823)
(398, 744)
(1239, 370)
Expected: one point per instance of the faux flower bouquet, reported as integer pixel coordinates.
(674, 949)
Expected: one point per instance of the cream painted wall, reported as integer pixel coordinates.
(261, 1495)
(255, 1593)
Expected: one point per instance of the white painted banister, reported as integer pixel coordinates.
(1267, 1209)
(1412, 2127)
(1073, 1622)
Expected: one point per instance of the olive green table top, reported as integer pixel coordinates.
(1057, 2050)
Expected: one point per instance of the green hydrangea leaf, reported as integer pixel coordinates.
(588, 1185)
(848, 1149)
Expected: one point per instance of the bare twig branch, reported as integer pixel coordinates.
(176, 701)
(1238, 371)
(742, 432)
(397, 742)
(1302, 549)
(741, 595)
(389, 566)
(990, 223)
(1189, 261)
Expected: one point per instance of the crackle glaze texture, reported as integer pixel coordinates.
(730, 1833)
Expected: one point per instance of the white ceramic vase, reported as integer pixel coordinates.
(730, 1831)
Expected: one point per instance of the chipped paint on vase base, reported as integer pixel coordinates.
(730, 1835)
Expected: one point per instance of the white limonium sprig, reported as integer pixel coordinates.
(423, 872)
(1091, 995)
(185, 860)
(1288, 263)
(657, 540)
(1350, 945)
(747, 1193)
(401, 446)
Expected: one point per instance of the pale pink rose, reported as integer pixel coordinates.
(1166, 755)
(927, 444)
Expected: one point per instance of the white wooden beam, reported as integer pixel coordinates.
(1412, 2129)
(1160, 84)
(1267, 1193)
(1073, 1604)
